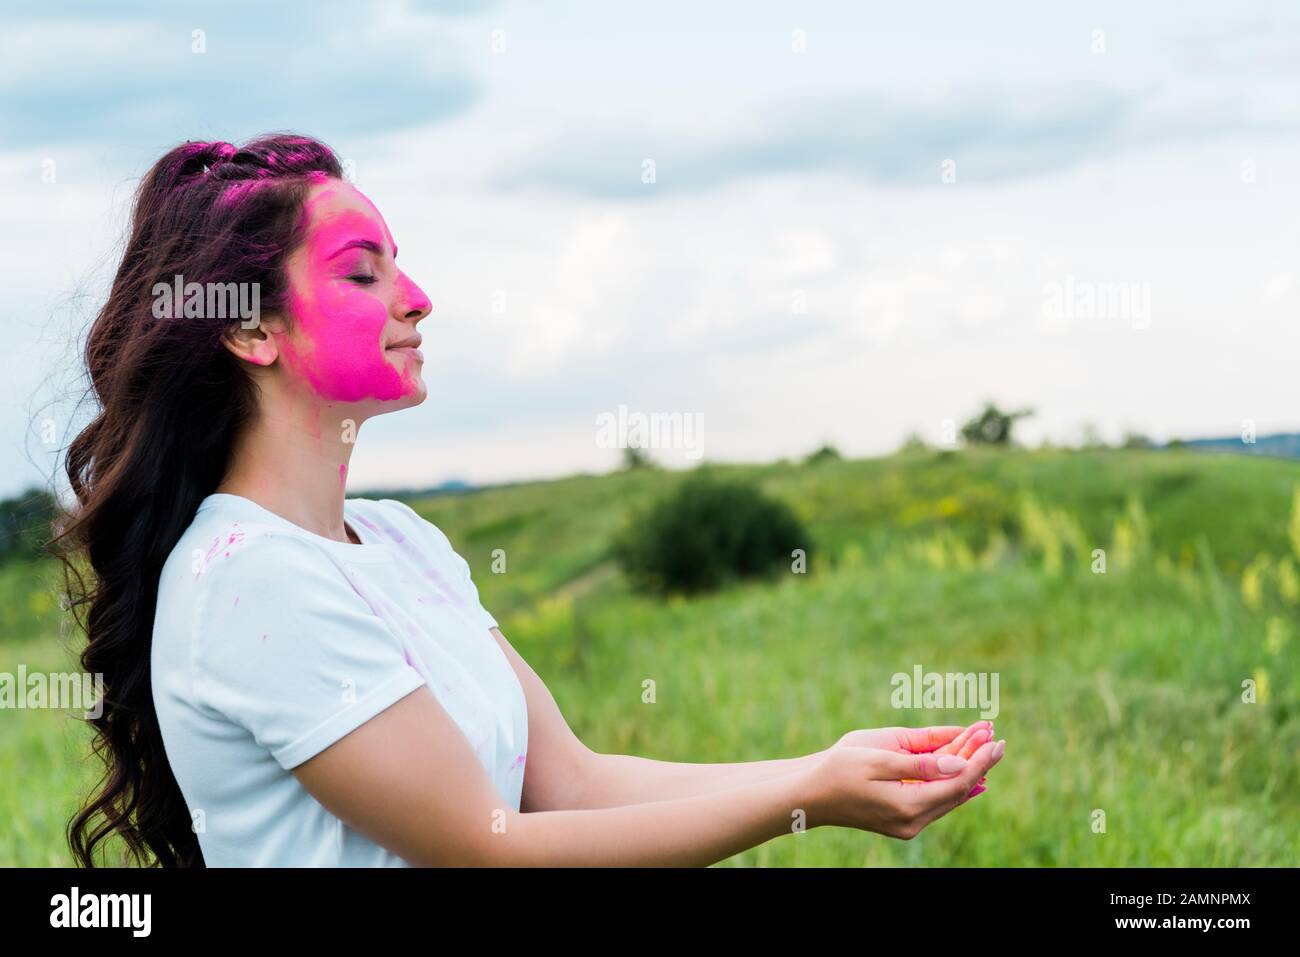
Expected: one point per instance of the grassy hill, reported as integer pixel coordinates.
(1120, 692)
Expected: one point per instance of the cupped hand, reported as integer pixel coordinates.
(903, 740)
(940, 739)
(863, 787)
(964, 745)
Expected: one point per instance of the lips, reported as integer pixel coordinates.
(411, 345)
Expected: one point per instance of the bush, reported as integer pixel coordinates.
(708, 532)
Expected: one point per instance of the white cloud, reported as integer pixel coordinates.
(801, 301)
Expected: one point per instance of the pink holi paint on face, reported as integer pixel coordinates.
(350, 302)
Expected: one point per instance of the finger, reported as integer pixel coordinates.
(975, 742)
(975, 792)
(982, 785)
(928, 817)
(971, 795)
(934, 799)
(955, 746)
(975, 738)
(923, 767)
(928, 739)
(947, 794)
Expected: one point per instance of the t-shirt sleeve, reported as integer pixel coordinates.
(454, 563)
(285, 646)
(462, 569)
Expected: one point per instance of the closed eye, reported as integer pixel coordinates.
(364, 280)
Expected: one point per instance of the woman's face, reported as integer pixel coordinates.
(352, 337)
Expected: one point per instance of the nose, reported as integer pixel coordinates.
(413, 304)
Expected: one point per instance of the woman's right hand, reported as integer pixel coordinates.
(865, 788)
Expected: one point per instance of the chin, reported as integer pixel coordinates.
(415, 397)
(406, 400)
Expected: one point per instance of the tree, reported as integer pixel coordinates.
(827, 453)
(635, 457)
(992, 426)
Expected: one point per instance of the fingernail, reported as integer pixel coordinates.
(950, 764)
(998, 748)
(977, 790)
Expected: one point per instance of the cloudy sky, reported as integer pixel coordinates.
(798, 222)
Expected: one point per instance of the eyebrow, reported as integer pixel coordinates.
(369, 244)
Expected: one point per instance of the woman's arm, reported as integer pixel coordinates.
(409, 780)
(564, 774)
(617, 779)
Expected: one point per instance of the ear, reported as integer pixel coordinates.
(257, 345)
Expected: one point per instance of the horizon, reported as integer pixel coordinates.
(455, 485)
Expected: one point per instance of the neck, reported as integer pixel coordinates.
(293, 461)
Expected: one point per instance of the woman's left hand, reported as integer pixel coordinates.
(902, 740)
(945, 739)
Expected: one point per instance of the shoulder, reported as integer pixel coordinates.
(215, 540)
(234, 557)
(399, 515)
(400, 521)
(384, 508)
(230, 577)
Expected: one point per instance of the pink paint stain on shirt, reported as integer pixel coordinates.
(234, 538)
(441, 589)
(368, 524)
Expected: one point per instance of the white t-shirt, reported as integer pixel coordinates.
(271, 642)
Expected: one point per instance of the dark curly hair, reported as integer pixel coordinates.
(170, 401)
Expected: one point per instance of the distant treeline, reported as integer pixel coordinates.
(25, 524)
(1284, 445)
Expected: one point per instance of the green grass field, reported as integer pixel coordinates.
(1120, 693)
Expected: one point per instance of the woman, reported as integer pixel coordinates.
(296, 678)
